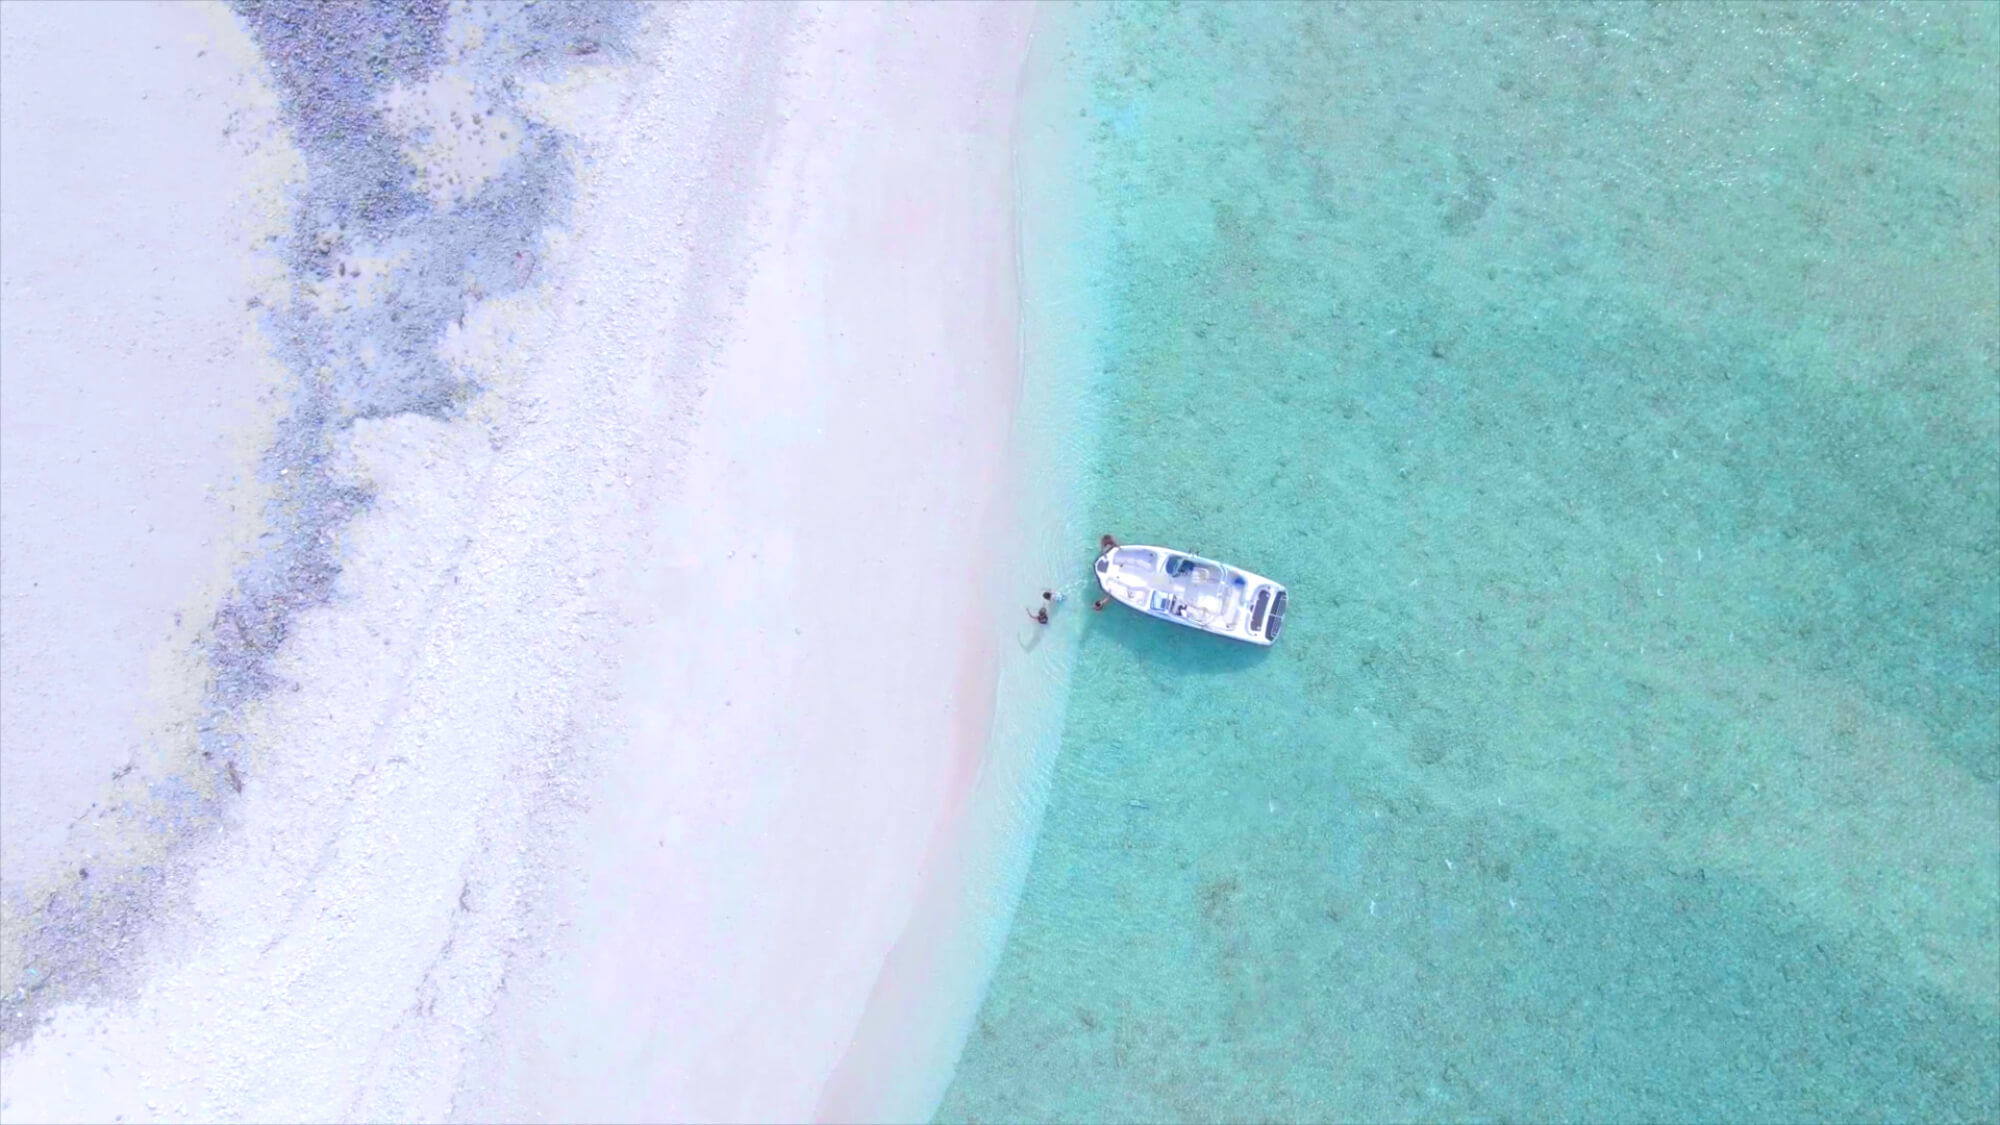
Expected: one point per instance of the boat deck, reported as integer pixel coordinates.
(1184, 588)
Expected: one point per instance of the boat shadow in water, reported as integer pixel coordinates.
(1173, 647)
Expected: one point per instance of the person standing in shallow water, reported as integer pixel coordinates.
(1041, 615)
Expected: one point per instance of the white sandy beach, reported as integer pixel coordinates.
(132, 384)
(816, 692)
(659, 680)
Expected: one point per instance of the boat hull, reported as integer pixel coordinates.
(1194, 592)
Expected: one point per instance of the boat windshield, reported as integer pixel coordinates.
(1193, 569)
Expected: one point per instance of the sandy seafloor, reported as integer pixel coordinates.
(514, 535)
(1617, 387)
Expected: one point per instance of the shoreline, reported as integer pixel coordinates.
(924, 1005)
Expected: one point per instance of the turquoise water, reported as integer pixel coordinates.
(1618, 390)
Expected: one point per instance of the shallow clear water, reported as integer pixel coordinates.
(1616, 388)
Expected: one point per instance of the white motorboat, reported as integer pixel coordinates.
(1189, 590)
